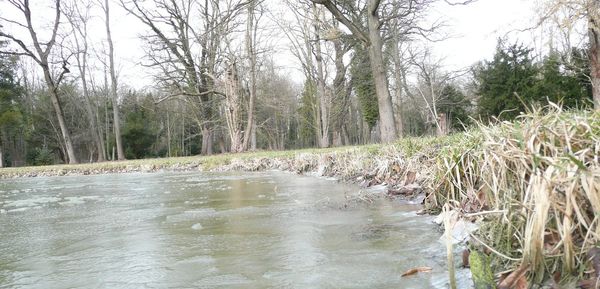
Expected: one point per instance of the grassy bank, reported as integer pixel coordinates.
(411, 161)
(532, 186)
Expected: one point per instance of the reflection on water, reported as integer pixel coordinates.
(205, 230)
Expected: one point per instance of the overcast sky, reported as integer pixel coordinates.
(476, 27)
(473, 30)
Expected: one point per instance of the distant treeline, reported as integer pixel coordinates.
(368, 76)
(502, 87)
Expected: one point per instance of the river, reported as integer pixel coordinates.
(209, 230)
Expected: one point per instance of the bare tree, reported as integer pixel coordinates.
(323, 109)
(41, 53)
(79, 17)
(569, 13)
(306, 33)
(593, 17)
(341, 88)
(250, 39)
(431, 83)
(372, 38)
(113, 84)
(233, 108)
(186, 38)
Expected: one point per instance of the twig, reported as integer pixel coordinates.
(485, 213)
(493, 250)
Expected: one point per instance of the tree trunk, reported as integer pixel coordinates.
(113, 85)
(341, 94)
(387, 124)
(79, 24)
(206, 140)
(442, 127)
(398, 83)
(233, 107)
(253, 137)
(60, 116)
(249, 130)
(90, 111)
(594, 53)
(322, 101)
(1, 159)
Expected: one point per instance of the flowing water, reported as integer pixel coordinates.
(209, 230)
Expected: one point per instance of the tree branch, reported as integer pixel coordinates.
(356, 31)
(21, 44)
(459, 3)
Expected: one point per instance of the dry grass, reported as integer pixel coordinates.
(539, 179)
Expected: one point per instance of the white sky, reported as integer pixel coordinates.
(474, 31)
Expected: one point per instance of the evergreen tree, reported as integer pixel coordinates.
(456, 106)
(501, 82)
(560, 85)
(11, 118)
(138, 134)
(307, 114)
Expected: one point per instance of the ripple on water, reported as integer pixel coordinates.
(192, 215)
(223, 280)
(33, 202)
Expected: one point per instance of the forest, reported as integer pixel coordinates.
(368, 76)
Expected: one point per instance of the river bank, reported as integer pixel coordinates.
(532, 187)
(405, 168)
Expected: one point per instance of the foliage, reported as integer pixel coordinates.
(10, 114)
(364, 86)
(138, 135)
(456, 106)
(11, 117)
(40, 157)
(512, 82)
(564, 84)
(306, 112)
(510, 75)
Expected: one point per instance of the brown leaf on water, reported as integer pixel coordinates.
(516, 279)
(465, 258)
(416, 270)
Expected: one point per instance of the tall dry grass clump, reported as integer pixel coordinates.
(535, 183)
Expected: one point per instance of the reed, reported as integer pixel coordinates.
(539, 177)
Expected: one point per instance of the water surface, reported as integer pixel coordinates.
(209, 230)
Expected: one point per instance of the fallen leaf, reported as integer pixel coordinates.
(555, 280)
(521, 283)
(550, 241)
(516, 279)
(410, 177)
(594, 256)
(416, 270)
(588, 284)
(465, 258)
